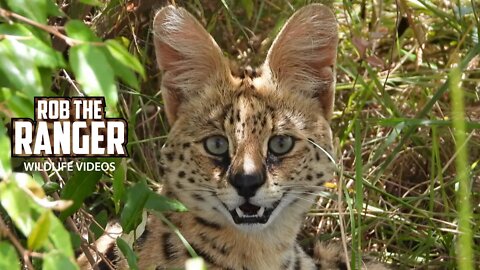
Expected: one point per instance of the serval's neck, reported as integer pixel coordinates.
(257, 250)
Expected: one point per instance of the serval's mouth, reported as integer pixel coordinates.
(248, 213)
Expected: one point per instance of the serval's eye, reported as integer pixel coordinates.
(216, 145)
(280, 144)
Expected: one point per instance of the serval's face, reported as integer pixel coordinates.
(249, 152)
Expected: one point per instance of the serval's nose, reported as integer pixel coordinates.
(247, 184)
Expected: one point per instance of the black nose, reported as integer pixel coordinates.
(247, 184)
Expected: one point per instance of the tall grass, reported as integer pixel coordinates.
(465, 240)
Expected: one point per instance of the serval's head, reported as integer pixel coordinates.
(248, 152)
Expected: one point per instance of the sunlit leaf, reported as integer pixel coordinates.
(8, 257)
(37, 10)
(18, 71)
(27, 183)
(5, 163)
(21, 105)
(123, 72)
(56, 260)
(18, 205)
(94, 73)
(78, 30)
(59, 236)
(40, 231)
(120, 53)
(28, 46)
(25, 213)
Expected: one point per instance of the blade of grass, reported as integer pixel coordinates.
(465, 240)
(235, 19)
(357, 231)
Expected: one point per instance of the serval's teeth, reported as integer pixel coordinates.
(239, 212)
(261, 211)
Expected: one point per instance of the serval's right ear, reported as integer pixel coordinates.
(187, 55)
(302, 57)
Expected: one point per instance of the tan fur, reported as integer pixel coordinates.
(328, 256)
(293, 96)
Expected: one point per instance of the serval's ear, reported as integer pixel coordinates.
(187, 55)
(302, 57)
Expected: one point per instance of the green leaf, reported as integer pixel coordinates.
(24, 211)
(39, 233)
(79, 187)
(56, 260)
(18, 71)
(8, 257)
(161, 203)
(123, 72)
(52, 9)
(131, 216)
(33, 9)
(78, 30)
(17, 204)
(5, 162)
(139, 197)
(59, 236)
(27, 61)
(120, 53)
(21, 105)
(37, 10)
(128, 253)
(93, 72)
(31, 47)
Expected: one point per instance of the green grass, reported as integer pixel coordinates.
(464, 208)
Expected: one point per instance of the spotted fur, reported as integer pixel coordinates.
(292, 95)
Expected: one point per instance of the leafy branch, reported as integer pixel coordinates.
(47, 28)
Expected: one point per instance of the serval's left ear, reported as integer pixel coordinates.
(302, 57)
(188, 57)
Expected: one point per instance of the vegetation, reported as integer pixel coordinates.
(407, 123)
